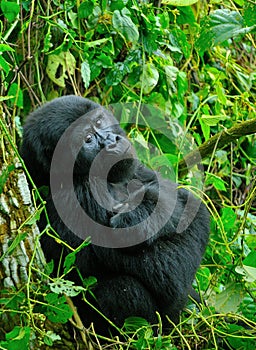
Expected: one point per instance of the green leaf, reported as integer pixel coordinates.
(228, 218)
(34, 218)
(17, 339)
(230, 299)
(47, 41)
(248, 269)
(117, 4)
(4, 47)
(71, 257)
(104, 60)
(250, 13)
(216, 181)
(171, 74)
(221, 94)
(236, 338)
(94, 43)
(203, 277)
(85, 9)
(61, 286)
(10, 10)
(50, 337)
(168, 160)
(205, 129)
(16, 95)
(250, 260)
(132, 324)
(4, 65)
(86, 73)
(138, 137)
(248, 272)
(227, 24)
(89, 282)
(4, 175)
(179, 42)
(57, 309)
(115, 76)
(149, 78)
(20, 237)
(179, 2)
(213, 120)
(59, 65)
(125, 26)
(220, 26)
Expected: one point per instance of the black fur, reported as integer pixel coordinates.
(133, 280)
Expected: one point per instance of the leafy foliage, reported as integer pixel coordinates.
(196, 66)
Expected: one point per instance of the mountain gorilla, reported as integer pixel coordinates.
(147, 235)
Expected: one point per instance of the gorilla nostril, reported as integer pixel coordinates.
(111, 146)
(111, 141)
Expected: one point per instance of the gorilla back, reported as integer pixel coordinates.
(148, 236)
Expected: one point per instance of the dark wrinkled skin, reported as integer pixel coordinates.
(154, 275)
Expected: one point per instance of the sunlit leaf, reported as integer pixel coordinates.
(220, 26)
(216, 181)
(125, 26)
(149, 78)
(4, 47)
(58, 67)
(213, 120)
(230, 299)
(86, 73)
(248, 272)
(61, 286)
(179, 2)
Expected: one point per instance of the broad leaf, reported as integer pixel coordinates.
(10, 10)
(86, 74)
(220, 26)
(230, 299)
(213, 120)
(125, 26)
(179, 2)
(59, 65)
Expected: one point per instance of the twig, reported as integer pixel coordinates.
(223, 138)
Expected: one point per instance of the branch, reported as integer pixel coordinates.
(218, 141)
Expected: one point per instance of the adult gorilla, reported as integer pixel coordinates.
(148, 236)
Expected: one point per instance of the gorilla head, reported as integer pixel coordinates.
(91, 134)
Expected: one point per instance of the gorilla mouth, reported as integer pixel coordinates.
(120, 150)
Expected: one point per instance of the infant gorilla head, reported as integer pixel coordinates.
(148, 236)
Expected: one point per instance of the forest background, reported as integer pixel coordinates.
(194, 63)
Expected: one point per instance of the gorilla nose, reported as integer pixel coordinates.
(111, 141)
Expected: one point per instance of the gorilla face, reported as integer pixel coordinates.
(102, 147)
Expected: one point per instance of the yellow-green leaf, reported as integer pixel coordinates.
(213, 120)
(59, 65)
(179, 2)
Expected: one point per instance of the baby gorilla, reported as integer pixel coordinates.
(148, 236)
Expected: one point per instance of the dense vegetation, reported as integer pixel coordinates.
(193, 69)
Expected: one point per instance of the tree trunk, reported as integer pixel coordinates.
(22, 260)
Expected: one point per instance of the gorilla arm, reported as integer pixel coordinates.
(166, 264)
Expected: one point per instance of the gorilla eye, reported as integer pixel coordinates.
(98, 121)
(88, 138)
